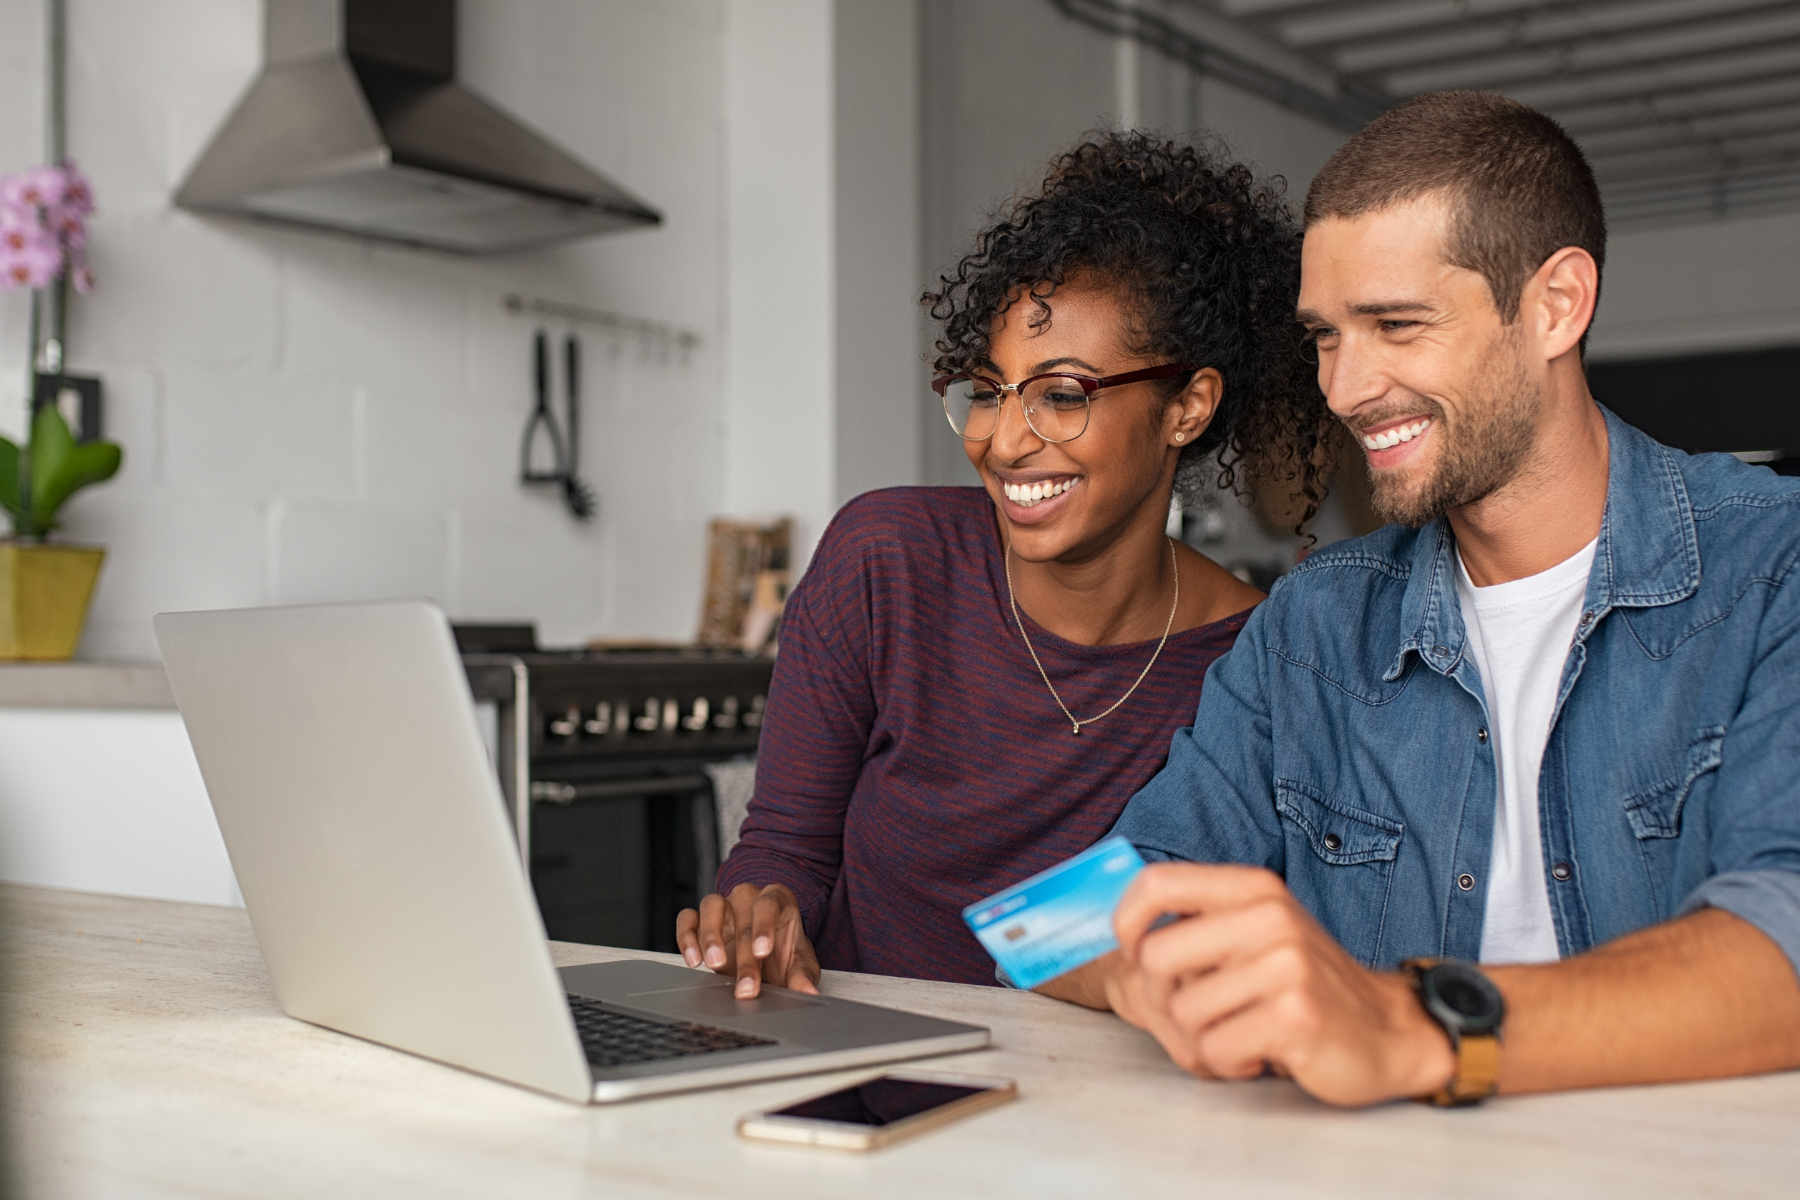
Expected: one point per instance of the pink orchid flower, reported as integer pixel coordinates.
(69, 227)
(17, 231)
(35, 266)
(78, 193)
(43, 227)
(40, 187)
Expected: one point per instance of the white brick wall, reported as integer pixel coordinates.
(307, 417)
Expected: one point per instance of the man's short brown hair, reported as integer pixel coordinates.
(1519, 187)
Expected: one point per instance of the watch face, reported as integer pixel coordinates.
(1466, 995)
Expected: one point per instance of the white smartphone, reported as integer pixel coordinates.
(880, 1110)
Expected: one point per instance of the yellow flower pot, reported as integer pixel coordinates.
(44, 592)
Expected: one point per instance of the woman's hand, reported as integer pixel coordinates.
(755, 933)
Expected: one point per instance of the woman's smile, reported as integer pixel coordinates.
(1031, 498)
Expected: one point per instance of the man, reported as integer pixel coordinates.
(1547, 721)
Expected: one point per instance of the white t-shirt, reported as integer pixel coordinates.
(1519, 637)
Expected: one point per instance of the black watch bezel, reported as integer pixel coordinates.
(1443, 985)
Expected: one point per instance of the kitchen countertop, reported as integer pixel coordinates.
(137, 685)
(148, 1057)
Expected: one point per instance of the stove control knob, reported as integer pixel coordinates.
(727, 716)
(671, 716)
(600, 724)
(648, 722)
(568, 725)
(700, 718)
(621, 718)
(754, 718)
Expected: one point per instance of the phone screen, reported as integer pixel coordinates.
(879, 1102)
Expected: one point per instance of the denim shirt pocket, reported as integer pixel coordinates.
(1340, 864)
(1655, 816)
(1655, 812)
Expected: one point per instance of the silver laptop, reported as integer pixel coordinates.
(340, 747)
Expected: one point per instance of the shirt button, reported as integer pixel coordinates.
(1562, 871)
(1466, 882)
(1440, 651)
(1481, 735)
(1333, 842)
(1587, 618)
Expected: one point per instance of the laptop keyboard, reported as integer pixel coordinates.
(614, 1039)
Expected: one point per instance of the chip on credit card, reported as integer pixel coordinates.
(1058, 919)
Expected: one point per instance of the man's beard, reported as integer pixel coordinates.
(1479, 453)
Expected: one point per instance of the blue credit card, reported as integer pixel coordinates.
(1058, 919)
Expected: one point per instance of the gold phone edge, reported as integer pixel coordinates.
(755, 1127)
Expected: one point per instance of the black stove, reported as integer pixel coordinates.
(602, 756)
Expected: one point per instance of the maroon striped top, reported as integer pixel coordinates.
(912, 760)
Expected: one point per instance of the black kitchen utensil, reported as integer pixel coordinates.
(563, 450)
(545, 420)
(578, 495)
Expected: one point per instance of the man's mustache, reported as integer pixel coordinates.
(1356, 423)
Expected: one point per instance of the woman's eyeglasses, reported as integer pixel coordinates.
(1055, 405)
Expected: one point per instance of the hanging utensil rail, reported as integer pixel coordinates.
(686, 339)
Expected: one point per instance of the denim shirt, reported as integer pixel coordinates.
(1343, 742)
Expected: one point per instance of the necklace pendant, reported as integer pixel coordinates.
(1075, 725)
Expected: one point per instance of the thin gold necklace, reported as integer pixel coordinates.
(1075, 725)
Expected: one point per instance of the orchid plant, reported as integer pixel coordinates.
(43, 227)
(43, 237)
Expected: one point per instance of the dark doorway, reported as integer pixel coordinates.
(1744, 403)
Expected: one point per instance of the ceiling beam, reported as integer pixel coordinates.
(1341, 22)
(1716, 199)
(1455, 44)
(1669, 107)
(1548, 25)
(1750, 123)
(1258, 8)
(1549, 22)
(1348, 111)
(1646, 80)
(1588, 32)
(1621, 195)
(1672, 192)
(1601, 53)
(1709, 157)
(1685, 107)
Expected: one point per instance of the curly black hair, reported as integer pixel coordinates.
(1208, 258)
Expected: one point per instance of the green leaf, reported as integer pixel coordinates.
(60, 468)
(94, 462)
(9, 479)
(51, 442)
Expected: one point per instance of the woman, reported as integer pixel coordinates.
(973, 681)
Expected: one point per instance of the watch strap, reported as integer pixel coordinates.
(1477, 1074)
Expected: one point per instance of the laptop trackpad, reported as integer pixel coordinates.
(714, 1000)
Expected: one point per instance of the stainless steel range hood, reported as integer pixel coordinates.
(358, 124)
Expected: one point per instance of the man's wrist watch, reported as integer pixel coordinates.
(1471, 1010)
